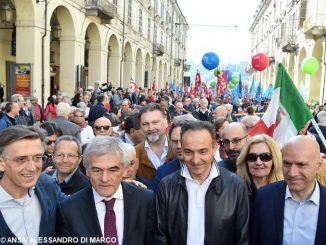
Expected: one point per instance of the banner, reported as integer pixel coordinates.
(23, 79)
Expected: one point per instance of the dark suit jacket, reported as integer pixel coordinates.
(146, 168)
(165, 170)
(49, 195)
(67, 127)
(269, 215)
(77, 182)
(77, 216)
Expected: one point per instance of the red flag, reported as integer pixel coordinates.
(132, 86)
(222, 82)
(154, 85)
(197, 82)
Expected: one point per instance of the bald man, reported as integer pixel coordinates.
(293, 211)
(234, 137)
(220, 111)
(102, 126)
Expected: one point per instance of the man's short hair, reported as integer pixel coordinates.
(132, 122)
(68, 138)
(153, 107)
(199, 125)
(9, 106)
(19, 132)
(181, 120)
(104, 145)
(100, 98)
(63, 109)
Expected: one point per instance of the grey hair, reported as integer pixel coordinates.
(15, 97)
(129, 147)
(104, 145)
(63, 109)
(321, 117)
(68, 138)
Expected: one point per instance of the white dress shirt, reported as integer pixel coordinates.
(300, 219)
(157, 161)
(196, 205)
(117, 208)
(23, 216)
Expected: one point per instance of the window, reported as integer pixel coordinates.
(149, 28)
(129, 11)
(115, 4)
(140, 27)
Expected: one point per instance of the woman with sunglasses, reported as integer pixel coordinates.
(53, 132)
(259, 163)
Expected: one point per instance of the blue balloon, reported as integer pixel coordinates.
(210, 60)
(229, 75)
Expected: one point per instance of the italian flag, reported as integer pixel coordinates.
(287, 112)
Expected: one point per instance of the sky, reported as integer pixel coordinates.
(230, 44)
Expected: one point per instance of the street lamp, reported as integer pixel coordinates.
(56, 32)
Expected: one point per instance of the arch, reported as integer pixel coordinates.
(127, 65)
(139, 66)
(26, 10)
(93, 53)
(113, 60)
(301, 84)
(315, 79)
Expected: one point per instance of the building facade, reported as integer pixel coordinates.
(62, 45)
(288, 31)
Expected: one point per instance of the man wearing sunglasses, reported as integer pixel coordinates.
(103, 126)
(293, 211)
(234, 137)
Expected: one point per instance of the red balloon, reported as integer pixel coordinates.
(260, 62)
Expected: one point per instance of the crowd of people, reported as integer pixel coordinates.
(113, 167)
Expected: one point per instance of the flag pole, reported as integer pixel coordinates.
(319, 131)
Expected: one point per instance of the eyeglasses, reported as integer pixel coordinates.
(98, 128)
(265, 157)
(50, 142)
(24, 159)
(233, 141)
(61, 156)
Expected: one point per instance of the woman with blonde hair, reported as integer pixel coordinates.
(259, 163)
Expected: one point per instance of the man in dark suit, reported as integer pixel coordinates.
(293, 211)
(66, 158)
(23, 189)
(67, 127)
(109, 209)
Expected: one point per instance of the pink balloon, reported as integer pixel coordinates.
(260, 62)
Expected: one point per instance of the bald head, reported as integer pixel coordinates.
(301, 165)
(103, 126)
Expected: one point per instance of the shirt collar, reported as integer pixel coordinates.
(55, 174)
(6, 197)
(128, 140)
(117, 195)
(315, 196)
(214, 172)
(166, 144)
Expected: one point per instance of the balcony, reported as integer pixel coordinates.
(288, 44)
(186, 67)
(177, 62)
(315, 25)
(101, 8)
(158, 49)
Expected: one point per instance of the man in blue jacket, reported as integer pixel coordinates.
(9, 118)
(28, 199)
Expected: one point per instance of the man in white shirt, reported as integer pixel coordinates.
(293, 211)
(108, 211)
(202, 203)
(155, 150)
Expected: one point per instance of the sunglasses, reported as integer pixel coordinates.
(102, 127)
(50, 142)
(265, 157)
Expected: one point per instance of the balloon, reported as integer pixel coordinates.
(231, 85)
(210, 60)
(260, 62)
(310, 65)
(213, 84)
(229, 75)
(235, 78)
(215, 72)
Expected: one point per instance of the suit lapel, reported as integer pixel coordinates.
(89, 214)
(46, 206)
(127, 200)
(279, 202)
(320, 236)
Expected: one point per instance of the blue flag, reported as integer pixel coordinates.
(259, 92)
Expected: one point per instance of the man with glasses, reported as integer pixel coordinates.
(110, 208)
(28, 199)
(234, 137)
(66, 158)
